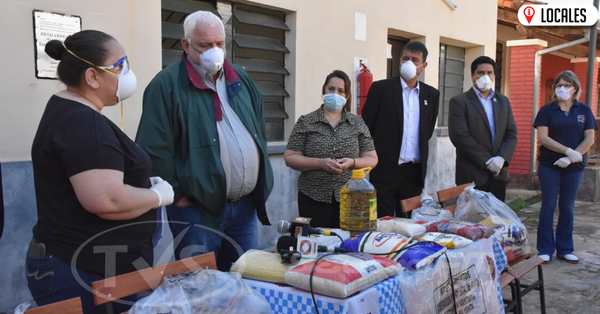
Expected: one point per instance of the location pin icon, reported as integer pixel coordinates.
(529, 12)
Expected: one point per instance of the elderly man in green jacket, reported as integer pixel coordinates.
(203, 126)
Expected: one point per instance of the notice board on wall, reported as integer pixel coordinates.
(46, 27)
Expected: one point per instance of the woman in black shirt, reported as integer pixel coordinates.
(325, 145)
(95, 201)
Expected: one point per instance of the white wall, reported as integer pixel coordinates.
(134, 23)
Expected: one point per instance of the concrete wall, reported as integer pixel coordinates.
(321, 40)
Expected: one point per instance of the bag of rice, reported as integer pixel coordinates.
(403, 226)
(342, 275)
(451, 241)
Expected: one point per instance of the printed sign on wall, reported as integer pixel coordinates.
(46, 27)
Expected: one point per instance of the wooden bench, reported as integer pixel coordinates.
(111, 289)
(410, 204)
(448, 197)
(70, 306)
(512, 276)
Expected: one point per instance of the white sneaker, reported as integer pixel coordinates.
(570, 258)
(545, 258)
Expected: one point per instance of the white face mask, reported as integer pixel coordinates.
(127, 83)
(211, 60)
(484, 83)
(563, 93)
(408, 70)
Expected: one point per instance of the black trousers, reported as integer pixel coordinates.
(407, 182)
(326, 215)
(494, 186)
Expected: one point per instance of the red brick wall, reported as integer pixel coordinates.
(580, 69)
(521, 99)
(553, 65)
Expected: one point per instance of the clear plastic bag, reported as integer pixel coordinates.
(484, 208)
(203, 291)
(430, 210)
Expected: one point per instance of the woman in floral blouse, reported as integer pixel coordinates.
(325, 145)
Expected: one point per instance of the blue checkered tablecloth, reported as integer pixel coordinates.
(383, 298)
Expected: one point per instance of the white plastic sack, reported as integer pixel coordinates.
(203, 291)
(430, 210)
(403, 226)
(474, 277)
(484, 208)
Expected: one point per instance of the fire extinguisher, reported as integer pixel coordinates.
(365, 79)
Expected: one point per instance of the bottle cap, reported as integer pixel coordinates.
(360, 173)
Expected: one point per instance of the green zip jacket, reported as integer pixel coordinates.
(178, 130)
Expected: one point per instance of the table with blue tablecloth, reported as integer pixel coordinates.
(475, 270)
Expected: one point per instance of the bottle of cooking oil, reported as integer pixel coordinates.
(358, 204)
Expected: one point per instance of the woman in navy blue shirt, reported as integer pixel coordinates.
(566, 131)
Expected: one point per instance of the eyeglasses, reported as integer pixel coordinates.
(119, 67)
(564, 85)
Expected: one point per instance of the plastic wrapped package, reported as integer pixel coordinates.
(403, 226)
(469, 230)
(430, 210)
(263, 266)
(412, 254)
(203, 291)
(484, 208)
(342, 275)
(474, 272)
(451, 241)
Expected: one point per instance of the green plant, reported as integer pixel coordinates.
(518, 204)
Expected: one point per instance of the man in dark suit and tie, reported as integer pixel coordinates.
(401, 115)
(483, 130)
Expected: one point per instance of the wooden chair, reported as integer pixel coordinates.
(410, 204)
(70, 306)
(124, 285)
(448, 197)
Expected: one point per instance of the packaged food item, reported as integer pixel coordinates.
(451, 241)
(342, 275)
(403, 226)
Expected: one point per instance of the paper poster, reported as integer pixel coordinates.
(48, 26)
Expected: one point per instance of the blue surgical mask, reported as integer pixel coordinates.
(334, 102)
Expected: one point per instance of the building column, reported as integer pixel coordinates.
(580, 69)
(521, 79)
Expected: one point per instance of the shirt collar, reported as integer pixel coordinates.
(228, 71)
(204, 75)
(556, 106)
(406, 86)
(478, 92)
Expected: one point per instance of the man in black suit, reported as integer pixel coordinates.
(483, 130)
(401, 115)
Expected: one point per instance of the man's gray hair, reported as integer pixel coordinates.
(205, 19)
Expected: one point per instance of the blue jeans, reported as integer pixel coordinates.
(237, 233)
(51, 280)
(562, 186)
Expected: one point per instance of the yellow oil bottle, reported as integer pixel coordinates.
(358, 204)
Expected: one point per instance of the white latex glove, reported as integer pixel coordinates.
(563, 162)
(155, 180)
(495, 164)
(574, 155)
(165, 193)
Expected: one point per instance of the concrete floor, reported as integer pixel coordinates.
(569, 289)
